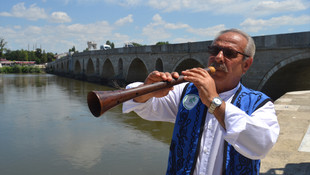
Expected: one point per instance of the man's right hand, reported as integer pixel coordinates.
(154, 77)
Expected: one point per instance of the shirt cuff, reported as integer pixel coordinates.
(131, 105)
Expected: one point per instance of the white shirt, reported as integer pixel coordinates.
(251, 136)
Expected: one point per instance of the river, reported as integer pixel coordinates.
(46, 128)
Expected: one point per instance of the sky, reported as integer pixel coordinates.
(58, 25)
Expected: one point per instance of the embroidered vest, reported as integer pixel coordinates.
(189, 125)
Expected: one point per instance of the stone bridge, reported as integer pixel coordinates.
(281, 63)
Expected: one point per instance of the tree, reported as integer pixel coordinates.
(38, 53)
(2, 46)
(50, 57)
(23, 55)
(110, 43)
(136, 44)
(73, 49)
(162, 43)
(31, 56)
(44, 57)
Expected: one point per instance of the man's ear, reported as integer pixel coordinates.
(246, 64)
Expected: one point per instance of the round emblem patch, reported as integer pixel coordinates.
(190, 101)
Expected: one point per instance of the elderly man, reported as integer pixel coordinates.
(221, 127)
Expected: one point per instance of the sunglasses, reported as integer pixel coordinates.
(228, 53)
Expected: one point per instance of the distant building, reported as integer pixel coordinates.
(91, 45)
(105, 47)
(129, 44)
(5, 62)
(58, 56)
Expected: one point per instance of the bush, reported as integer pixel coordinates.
(6, 69)
(25, 69)
(20, 69)
(17, 69)
(35, 70)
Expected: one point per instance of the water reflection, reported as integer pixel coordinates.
(46, 128)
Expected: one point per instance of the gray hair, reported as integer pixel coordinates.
(250, 47)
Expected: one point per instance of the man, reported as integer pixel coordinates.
(221, 127)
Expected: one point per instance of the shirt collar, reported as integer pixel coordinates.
(227, 94)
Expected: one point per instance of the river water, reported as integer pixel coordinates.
(46, 128)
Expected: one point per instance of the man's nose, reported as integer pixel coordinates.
(219, 58)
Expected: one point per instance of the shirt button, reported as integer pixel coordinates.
(205, 150)
(210, 127)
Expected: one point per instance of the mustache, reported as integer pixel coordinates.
(220, 66)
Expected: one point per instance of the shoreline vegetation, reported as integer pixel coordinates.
(20, 69)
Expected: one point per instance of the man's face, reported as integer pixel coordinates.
(225, 44)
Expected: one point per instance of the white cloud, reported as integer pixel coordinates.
(17, 27)
(288, 5)
(182, 40)
(20, 11)
(220, 7)
(155, 34)
(273, 7)
(122, 21)
(7, 14)
(157, 18)
(176, 26)
(159, 29)
(34, 13)
(207, 32)
(255, 25)
(61, 37)
(60, 17)
(130, 2)
(191, 5)
(125, 3)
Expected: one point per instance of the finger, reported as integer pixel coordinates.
(154, 76)
(175, 75)
(168, 76)
(197, 72)
(193, 73)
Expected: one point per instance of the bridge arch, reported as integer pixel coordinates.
(288, 75)
(137, 71)
(97, 66)
(77, 67)
(108, 70)
(62, 67)
(187, 64)
(120, 68)
(159, 65)
(90, 69)
(67, 66)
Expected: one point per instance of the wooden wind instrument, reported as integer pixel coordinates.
(101, 101)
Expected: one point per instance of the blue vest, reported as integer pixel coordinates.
(188, 129)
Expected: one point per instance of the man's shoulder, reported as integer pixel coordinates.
(243, 91)
(249, 99)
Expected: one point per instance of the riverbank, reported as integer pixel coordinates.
(291, 153)
(21, 69)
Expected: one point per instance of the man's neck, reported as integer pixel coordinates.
(221, 88)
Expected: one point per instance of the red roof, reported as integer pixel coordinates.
(4, 61)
